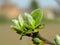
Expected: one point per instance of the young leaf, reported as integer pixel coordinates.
(30, 20)
(14, 27)
(28, 31)
(17, 27)
(37, 16)
(16, 23)
(21, 21)
(57, 40)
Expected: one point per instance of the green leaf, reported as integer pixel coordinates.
(14, 27)
(16, 23)
(21, 21)
(35, 30)
(37, 16)
(41, 26)
(28, 31)
(57, 40)
(30, 20)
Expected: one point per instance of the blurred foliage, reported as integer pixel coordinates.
(34, 5)
(56, 21)
(3, 19)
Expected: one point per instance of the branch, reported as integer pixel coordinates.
(45, 40)
(40, 37)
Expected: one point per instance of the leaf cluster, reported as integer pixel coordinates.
(28, 23)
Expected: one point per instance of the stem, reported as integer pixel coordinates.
(21, 37)
(45, 40)
(40, 37)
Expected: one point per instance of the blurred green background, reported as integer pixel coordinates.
(10, 9)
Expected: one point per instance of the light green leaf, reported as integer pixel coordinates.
(37, 16)
(16, 23)
(35, 30)
(21, 21)
(57, 40)
(14, 27)
(28, 31)
(30, 20)
(41, 26)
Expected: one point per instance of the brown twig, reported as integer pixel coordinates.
(45, 40)
(40, 37)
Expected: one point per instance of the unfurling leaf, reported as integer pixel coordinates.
(37, 16)
(14, 27)
(16, 23)
(21, 21)
(30, 19)
(57, 40)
